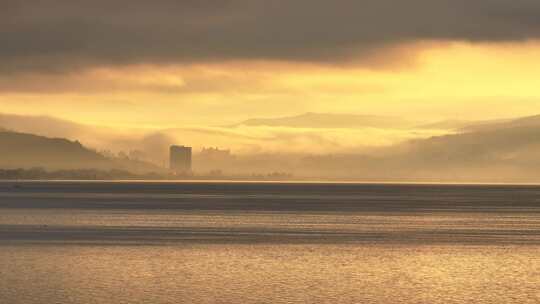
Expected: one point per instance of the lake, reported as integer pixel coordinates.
(219, 242)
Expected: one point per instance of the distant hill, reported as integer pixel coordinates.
(325, 120)
(500, 152)
(41, 125)
(496, 152)
(452, 124)
(101, 138)
(497, 144)
(463, 125)
(21, 150)
(522, 122)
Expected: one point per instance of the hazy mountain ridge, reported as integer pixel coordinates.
(498, 146)
(241, 139)
(28, 150)
(498, 151)
(22, 150)
(41, 125)
(95, 137)
(327, 120)
(450, 124)
(510, 154)
(528, 121)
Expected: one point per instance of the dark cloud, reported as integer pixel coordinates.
(56, 35)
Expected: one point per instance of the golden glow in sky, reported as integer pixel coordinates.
(430, 81)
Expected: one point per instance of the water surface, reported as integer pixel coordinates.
(105, 242)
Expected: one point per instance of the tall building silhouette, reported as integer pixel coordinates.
(180, 159)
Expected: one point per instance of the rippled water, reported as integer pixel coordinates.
(268, 243)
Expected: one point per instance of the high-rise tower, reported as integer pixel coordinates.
(180, 159)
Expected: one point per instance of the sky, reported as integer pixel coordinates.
(171, 64)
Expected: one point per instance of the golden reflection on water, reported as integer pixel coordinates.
(270, 273)
(209, 243)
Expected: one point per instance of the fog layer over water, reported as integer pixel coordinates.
(71, 242)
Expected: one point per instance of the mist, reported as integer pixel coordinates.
(490, 151)
(302, 134)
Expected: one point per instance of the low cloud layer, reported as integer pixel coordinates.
(498, 151)
(55, 36)
(242, 139)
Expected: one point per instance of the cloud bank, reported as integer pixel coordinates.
(55, 36)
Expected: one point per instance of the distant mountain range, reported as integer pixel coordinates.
(96, 137)
(42, 125)
(28, 150)
(494, 151)
(326, 120)
(353, 121)
(523, 122)
(22, 150)
(489, 150)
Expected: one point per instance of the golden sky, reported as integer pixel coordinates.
(192, 69)
(367, 78)
(424, 81)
